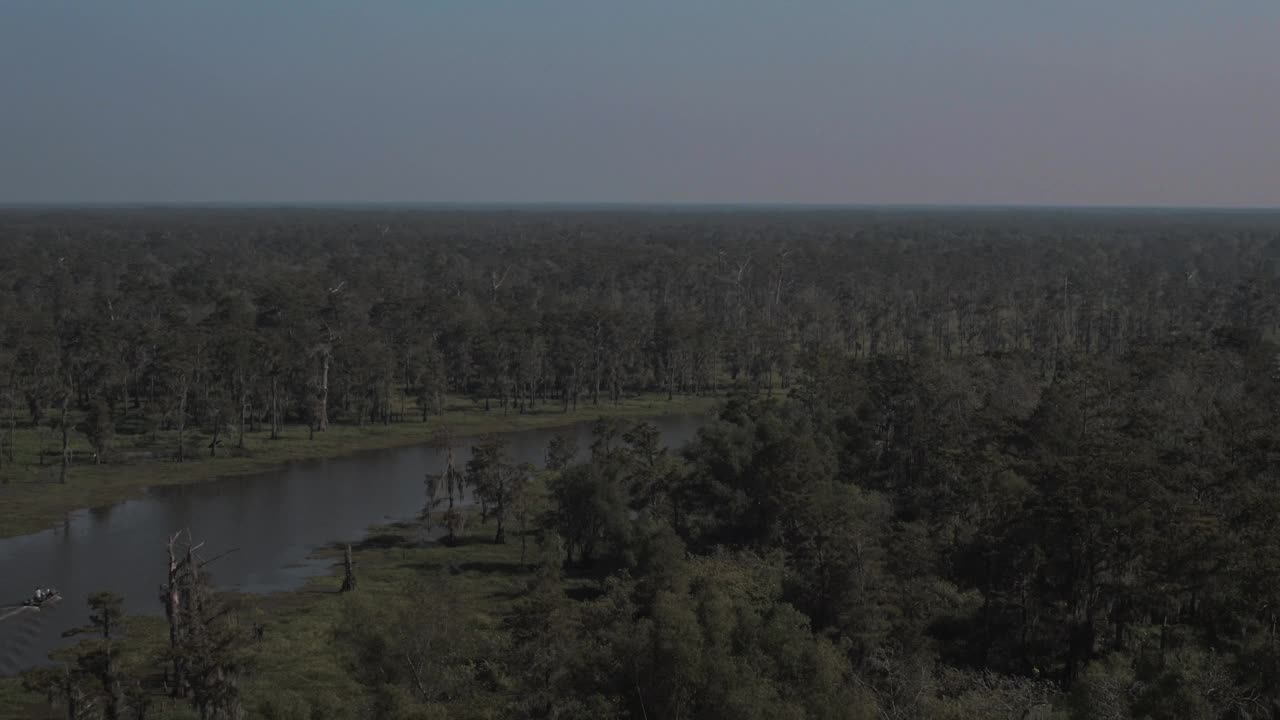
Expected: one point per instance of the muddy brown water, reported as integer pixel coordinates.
(274, 521)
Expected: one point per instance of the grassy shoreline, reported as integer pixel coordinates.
(296, 663)
(297, 670)
(34, 500)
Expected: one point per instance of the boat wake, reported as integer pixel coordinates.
(11, 610)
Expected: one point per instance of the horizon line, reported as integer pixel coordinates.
(558, 204)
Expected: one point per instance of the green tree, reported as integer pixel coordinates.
(590, 513)
(99, 427)
(497, 481)
(561, 451)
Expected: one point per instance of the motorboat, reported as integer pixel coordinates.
(41, 596)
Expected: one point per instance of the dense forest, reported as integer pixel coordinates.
(968, 465)
(227, 318)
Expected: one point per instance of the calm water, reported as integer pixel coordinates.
(273, 520)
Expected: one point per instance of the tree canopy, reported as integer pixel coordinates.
(1008, 465)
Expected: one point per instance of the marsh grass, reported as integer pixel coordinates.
(297, 669)
(32, 499)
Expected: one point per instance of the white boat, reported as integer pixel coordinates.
(42, 596)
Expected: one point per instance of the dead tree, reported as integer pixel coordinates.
(324, 350)
(349, 575)
(450, 481)
(495, 282)
(202, 645)
(244, 411)
(182, 416)
(171, 598)
(66, 439)
(275, 407)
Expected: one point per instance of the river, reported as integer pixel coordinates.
(274, 521)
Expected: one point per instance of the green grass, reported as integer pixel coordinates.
(297, 664)
(32, 498)
(16, 704)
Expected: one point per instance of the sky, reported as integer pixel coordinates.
(953, 102)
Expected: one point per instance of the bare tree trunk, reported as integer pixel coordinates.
(172, 598)
(182, 418)
(244, 410)
(416, 672)
(404, 395)
(115, 698)
(13, 415)
(349, 575)
(451, 484)
(213, 444)
(73, 695)
(66, 440)
(196, 629)
(595, 393)
(524, 537)
(275, 409)
(323, 420)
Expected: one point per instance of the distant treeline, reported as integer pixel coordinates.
(262, 316)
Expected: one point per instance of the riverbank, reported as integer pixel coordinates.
(298, 671)
(33, 499)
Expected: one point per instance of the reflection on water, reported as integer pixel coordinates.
(101, 514)
(272, 522)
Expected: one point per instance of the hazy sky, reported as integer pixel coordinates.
(1118, 102)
